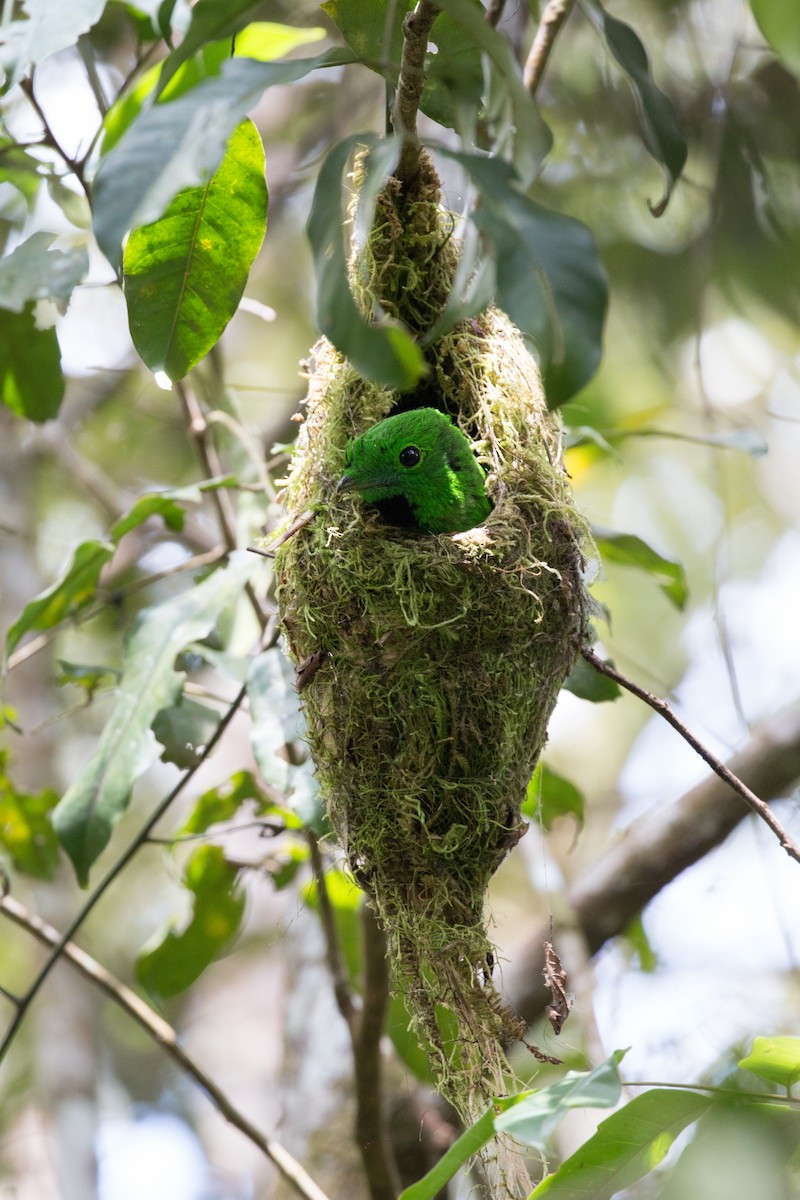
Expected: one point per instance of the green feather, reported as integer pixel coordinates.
(422, 458)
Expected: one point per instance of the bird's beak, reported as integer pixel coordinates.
(345, 484)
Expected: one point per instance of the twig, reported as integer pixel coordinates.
(372, 1132)
(87, 58)
(199, 430)
(416, 28)
(341, 984)
(554, 15)
(51, 140)
(495, 12)
(162, 1033)
(111, 875)
(660, 706)
(294, 528)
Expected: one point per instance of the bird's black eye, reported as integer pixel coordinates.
(409, 456)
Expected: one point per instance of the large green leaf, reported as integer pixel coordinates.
(549, 277)
(776, 1059)
(184, 730)
(26, 831)
(99, 795)
(184, 275)
(386, 352)
(779, 21)
(71, 592)
(179, 144)
(51, 25)
(660, 131)
(179, 957)
(631, 551)
(31, 382)
(627, 1145)
(35, 272)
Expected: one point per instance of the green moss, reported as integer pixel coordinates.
(443, 654)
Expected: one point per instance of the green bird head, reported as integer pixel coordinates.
(418, 466)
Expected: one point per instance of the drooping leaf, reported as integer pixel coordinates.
(184, 275)
(549, 277)
(99, 795)
(26, 831)
(35, 272)
(626, 1147)
(184, 730)
(385, 352)
(180, 957)
(584, 681)
(31, 382)
(162, 504)
(631, 551)
(533, 1120)
(779, 22)
(454, 1158)
(68, 595)
(776, 1059)
(549, 795)
(179, 144)
(660, 131)
(49, 26)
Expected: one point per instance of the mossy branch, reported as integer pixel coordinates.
(416, 30)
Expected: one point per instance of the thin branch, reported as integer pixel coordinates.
(554, 15)
(341, 984)
(606, 895)
(663, 709)
(166, 1037)
(122, 862)
(372, 1131)
(90, 66)
(416, 29)
(495, 12)
(51, 140)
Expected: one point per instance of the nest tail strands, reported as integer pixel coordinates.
(441, 653)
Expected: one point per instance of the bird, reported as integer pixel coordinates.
(419, 469)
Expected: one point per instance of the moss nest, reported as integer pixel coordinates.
(439, 657)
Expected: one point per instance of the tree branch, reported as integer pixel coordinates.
(141, 838)
(166, 1037)
(416, 29)
(371, 1130)
(341, 984)
(663, 709)
(554, 15)
(608, 894)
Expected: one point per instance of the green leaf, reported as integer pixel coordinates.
(162, 504)
(26, 831)
(185, 274)
(179, 958)
(457, 1156)
(549, 277)
(385, 353)
(626, 1147)
(97, 798)
(776, 1059)
(71, 592)
(31, 383)
(660, 131)
(587, 683)
(534, 1118)
(34, 272)
(88, 678)
(51, 25)
(549, 795)
(21, 170)
(632, 551)
(779, 22)
(222, 803)
(180, 144)
(184, 730)
(636, 937)
(345, 899)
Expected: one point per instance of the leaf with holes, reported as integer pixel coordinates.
(184, 275)
(179, 958)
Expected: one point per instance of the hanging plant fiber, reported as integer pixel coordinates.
(440, 656)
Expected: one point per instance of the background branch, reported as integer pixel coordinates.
(166, 1037)
(554, 15)
(608, 894)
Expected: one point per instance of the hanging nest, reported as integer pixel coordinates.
(431, 663)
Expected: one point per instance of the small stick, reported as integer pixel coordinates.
(554, 15)
(660, 706)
